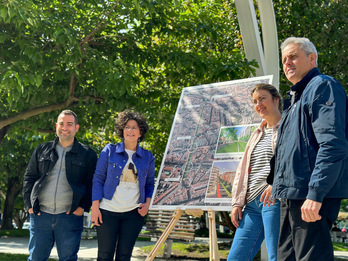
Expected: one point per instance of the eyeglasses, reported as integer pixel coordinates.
(130, 128)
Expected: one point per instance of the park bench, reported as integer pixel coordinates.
(158, 220)
(338, 236)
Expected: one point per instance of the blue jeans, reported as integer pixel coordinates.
(47, 229)
(257, 223)
(119, 231)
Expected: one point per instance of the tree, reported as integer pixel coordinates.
(100, 57)
(325, 24)
(15, 152)
(109, 56)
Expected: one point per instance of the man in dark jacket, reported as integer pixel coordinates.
(57, 189)
(311, 165)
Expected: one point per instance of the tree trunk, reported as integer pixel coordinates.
(3, 132)
(226, 220)
(20, 217)
(14, 187)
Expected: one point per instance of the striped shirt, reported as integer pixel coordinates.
(260, 165)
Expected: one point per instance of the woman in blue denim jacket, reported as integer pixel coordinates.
(123, 184)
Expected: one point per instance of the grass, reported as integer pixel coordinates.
(16, 257)
(197, 251)
(238, 146)
(201, 251)
(179, 250)
(337, 246)
(15, 233)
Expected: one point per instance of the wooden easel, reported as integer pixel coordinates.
(213, 246)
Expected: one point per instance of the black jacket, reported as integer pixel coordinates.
(80, 166)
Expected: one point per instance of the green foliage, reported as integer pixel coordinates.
(325, 24)
(103, 57)
(99, 58)
(344, 205)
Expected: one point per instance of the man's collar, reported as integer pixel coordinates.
(298, 88)
(74, 148)
(301, 85)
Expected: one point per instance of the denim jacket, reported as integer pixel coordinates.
(311, 156)
(110, 165)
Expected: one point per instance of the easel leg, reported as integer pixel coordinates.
(213, 246)
(176, 216)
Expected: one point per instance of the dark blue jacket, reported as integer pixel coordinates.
(311, 157)
(80, 164)
(112, 161)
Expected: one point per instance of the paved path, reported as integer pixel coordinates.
(88, 248)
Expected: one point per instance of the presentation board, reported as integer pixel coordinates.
(211, 127)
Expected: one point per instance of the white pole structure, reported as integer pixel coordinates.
(266, 53)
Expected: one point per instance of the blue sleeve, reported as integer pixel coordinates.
(100, 174)
(328, 116)
(150, 178)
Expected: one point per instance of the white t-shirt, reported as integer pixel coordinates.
(127, 193)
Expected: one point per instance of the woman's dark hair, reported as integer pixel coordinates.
(271, 89)
(124, 117)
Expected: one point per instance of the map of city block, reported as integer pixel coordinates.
(193, 174)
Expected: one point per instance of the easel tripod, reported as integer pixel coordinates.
(213, 246)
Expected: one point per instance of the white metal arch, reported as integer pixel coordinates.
(265, 52)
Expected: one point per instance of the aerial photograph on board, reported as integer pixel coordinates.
(211, 127)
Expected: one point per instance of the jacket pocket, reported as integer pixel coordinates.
(43, 164)
(78, 169)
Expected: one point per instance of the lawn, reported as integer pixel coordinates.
(192, 251)
(238, 146)
(16, 257)
(15, 233)
(179, 250)
(201, 251)
(340, 246)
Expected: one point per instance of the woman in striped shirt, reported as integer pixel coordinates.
(255, 215)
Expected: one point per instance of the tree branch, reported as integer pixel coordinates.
(40, 130)
(105, 36)
(72, 84)
(3, 132)
(70, 102)
(99, 26)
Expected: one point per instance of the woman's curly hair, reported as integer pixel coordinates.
(124, 117)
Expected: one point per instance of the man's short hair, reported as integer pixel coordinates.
(69, 112)
(305, 44)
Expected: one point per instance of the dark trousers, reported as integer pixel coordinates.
(300, 240)
(118, 231)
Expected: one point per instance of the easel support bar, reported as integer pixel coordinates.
(176, 216)
(213, 245)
